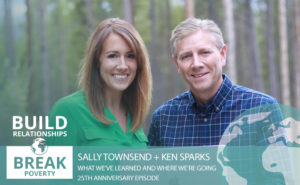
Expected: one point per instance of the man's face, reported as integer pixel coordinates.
(200, 63)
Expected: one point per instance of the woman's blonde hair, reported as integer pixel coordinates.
(137, 97)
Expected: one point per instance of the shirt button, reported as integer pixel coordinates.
(205, 119)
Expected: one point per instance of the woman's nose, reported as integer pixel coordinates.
(122, 64)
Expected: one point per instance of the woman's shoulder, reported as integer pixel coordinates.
(76, 99)
(72, 99)
(69, 108)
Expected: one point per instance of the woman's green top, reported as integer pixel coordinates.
(83, 129)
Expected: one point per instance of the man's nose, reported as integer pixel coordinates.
(197, 61)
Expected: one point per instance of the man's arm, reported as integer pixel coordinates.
(153, 135)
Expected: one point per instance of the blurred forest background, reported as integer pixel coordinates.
(42, 43)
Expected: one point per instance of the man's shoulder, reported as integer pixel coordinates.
(244, 93)
(174, 104)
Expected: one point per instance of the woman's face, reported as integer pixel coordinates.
(118, 64)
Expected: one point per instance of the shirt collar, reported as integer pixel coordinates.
(112, 118)
(217, 101)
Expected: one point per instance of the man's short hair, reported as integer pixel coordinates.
(192, 25)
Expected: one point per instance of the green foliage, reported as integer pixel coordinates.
(76, 36)
(2, 41)
(13, 98)
(177, 15)
(142, 20)
(112, 8)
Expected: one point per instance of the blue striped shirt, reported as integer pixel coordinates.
(182, 121)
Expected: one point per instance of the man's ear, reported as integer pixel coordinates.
(176, 62)
(223, 55)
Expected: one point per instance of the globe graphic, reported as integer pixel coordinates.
(39, 146)
(253, 148)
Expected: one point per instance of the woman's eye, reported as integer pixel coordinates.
(131, 55)
(112, 56)
(205, 52)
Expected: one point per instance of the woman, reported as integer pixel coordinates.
(116, 85)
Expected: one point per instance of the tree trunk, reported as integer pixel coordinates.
(189, 9)
(230, 35)
(62, 45)
(171, 67)
(44, 59)
(285, 85)
(241, 48)
(89, 15)
(156, 68)
(272, 71)
(297, 53)
(128, 11)
(9, 35)
(212, 12)
(31, 92)
(255, 65)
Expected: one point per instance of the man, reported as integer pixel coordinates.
(201, 115)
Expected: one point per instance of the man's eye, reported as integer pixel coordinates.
(112, 56)
(185, 57)
(131, 55)
(206, 52)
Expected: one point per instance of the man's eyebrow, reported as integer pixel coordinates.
(183, 52)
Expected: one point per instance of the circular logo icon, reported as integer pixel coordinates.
(39, 146)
